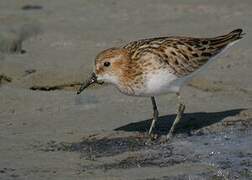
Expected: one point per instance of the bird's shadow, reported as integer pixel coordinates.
(190, 121)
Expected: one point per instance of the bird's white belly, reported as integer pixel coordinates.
(161, 83)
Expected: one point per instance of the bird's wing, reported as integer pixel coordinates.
(183, 55)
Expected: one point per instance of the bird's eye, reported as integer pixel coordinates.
(106, 64)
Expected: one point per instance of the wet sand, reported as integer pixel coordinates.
(48, 132)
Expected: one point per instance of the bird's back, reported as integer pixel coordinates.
(183, 55)
(168, 62)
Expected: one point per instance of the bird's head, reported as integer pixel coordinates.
(109, 66)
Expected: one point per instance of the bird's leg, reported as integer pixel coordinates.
(181, 109)
(155, 114)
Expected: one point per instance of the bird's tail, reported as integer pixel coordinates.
(228, 38)
(235, 34)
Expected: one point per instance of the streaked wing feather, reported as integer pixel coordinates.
(183, 55)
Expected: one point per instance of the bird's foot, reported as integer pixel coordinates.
(153, 136)
(164, 140)
(169, 136)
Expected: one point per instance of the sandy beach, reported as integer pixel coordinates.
(47, 48)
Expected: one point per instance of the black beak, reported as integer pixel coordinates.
(92, 79)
